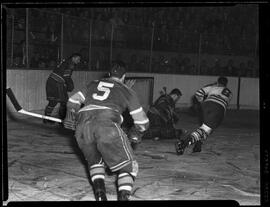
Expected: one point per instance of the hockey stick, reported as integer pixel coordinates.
(22, 111)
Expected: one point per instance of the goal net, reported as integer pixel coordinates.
(144, 87)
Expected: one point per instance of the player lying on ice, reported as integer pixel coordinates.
(98, 130)
(214, 100)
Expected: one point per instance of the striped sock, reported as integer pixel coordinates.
(97, 171)
(125, 182)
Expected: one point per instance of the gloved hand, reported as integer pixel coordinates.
(135, 137)
(70, 120)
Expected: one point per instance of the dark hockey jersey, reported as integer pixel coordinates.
(164, 106)
(216, 93)
(109, 93)
(63, 72)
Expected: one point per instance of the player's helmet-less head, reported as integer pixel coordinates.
(176, 91)
(223, 80)
(118, 69)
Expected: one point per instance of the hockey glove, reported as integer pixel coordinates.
(70, 120)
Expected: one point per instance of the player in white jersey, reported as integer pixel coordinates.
(214, 100)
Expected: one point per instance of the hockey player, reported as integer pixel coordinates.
(162, 117)
(214, 99)
(98, 132)
(59, 83)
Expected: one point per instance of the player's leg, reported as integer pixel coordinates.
(155, 125)
(49, 109)
(212, 116)
(86, 141)
(196, 136)
(118, 155)
(62, 110)
(125, 180)
(97, 174)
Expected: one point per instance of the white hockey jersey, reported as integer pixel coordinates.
(216, 93)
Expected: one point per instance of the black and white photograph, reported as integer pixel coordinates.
(133, 102)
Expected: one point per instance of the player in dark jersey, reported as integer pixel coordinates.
(162, 117)
(59, 83)
(98, 132)
(214, 99)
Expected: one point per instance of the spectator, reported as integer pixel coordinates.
(204, 68)
(53, 33)
(230, 69)
(251, 69)
(217, 69)
(174, 65)
(143, 64)
(133, 64)
(52, 64)
(242, 70)
(41, 64)
(186, 66)
(20, 53)
(17, 61)
(34, 63)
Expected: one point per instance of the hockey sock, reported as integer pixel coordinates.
(125, 182)
(97, 174)
(200, 133)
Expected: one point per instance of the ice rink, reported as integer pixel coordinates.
(45, 164)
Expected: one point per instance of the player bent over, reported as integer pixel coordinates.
(58, 84)
(98, 132)
(214, 101)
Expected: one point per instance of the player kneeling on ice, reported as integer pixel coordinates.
(98, 132)
(163, 117)
(214, 100)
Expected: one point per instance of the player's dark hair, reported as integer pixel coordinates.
(176, 91)
(223, 80)
(118, 69)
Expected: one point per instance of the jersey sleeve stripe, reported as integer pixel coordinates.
(142, 122)
(136, 111)
(200, 93)
(74, 101)
(81, 94)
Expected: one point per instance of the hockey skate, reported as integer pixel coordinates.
(99, 190)
(182, 144)
(123, 195)
(197, 147)
(180, 147)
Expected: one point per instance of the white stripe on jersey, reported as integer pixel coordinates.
(136, 111)
(142, 122)
(93, 107)
(74, 101)
(81, 94)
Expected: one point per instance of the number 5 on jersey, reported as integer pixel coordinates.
(103, 87)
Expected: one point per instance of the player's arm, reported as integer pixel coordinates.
(141, 121)
(73, 106)
(201, 94)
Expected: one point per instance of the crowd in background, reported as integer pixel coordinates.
(223, 28)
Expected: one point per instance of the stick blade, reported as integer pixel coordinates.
(13, 99)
